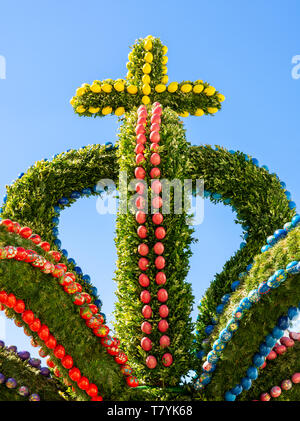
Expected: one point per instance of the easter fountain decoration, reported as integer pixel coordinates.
(244, 319)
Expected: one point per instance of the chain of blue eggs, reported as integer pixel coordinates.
(245, 304)
(264, 350)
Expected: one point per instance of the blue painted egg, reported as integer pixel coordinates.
(225, 335)
(55, 220)
(24, 355)
(292, 267)
(220, 308)
(86, 278)
(226, 201)
(63, 201)
(65, 252)
(242, 275)
(219, 346)
(296, 220)
(292, 205)
(270, 340)
(277, 333)
(230, 397)
(288, 195)
(288, 226)
(86, 191)
(243, 245)
(214, 320)
(235, 285)
(72, 261)
(271, 240)
(283, 185)
(263, 288)
(200, 354)
(45, 371)
(265, 167)
(254, 296)
(205, 378)
(198, 385)
(255, 161)
(225, 298)
(283, 322)
(265, 248)
(264, 349)
(12, 348)
(108, 146)
(292, 313)
(236, 390)
(56, 209)
(94, 291)
(2, 378)
(232, 325)
(78, 270)
(279, 234)
(258, 360)
(249, 267)
(2, 344)
(206, 193)
(98, 303)
(245, 304)
(75, 195)
(209, 329)
(212, 357)
(57, 242)
(246, 383)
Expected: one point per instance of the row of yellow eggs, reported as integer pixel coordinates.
(146, 89)
(121, 110)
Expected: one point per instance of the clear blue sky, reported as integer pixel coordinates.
(244, 49)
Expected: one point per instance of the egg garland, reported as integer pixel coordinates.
(157, 218)
(276, 391)
(265, 287)
(265, 350)
(245, 304)
(67, 280)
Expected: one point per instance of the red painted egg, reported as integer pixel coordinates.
(265, 397)
(140, 217)
(28, 316)
(142, 231)
(17, 227)
(140, 202)
(155, 173)
(45, 246)
(163, 311)
(121, 358)
(74, 374)
(156, 186)
(151, 362)
(164, 341)
(83, 383)
(147, 311)
(296, 378)
(35, 325)
(59, 351)
(67, 361)
(167, 359)
(157, 218)
(154, 137)
(155, 127)
(44, 333)
(160, 278)
(295, 336)
(140, 129)
(286, 341)
(141, 138)
(19, 307)
(280, 349)
(275, 391)
(21, 254)
(139, 173)
(155, 119)
(140, 187)
(154, 147)
(155, 159)
(158, 248)
(8, 224)
(286, 384)
(11, 301)
(145, 297)
(157, 202)
(139, 148)
(163, 326)
(132, 381)
(139, 158)
(146, 328)
(25, 232)
(143, 249)
(92, 391)
(35, 238)
(143, 263)
(51, 342)
(160, 233)
(142, 120)
(272, 356)
(144, 280)
(162, 295)
(146, 344)
(160, 262)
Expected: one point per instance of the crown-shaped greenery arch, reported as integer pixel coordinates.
(243, 314)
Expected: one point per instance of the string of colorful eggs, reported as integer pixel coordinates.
(278, 235)
(276, 391)
(88, 311)
(35, 325)
(238, 313)
(25, 356)
(11, 383)
(160, 232)
(265, 350)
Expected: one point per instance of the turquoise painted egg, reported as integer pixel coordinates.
(205, 378)
(263, 288)
(232, 325)
(292, 267)
(245, 303)
(238, 313)
(225, 335)
(212, 357)
(219, 346)
(254, 296)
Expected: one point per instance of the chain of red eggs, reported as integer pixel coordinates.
(160, 232)
(88, 311)
(280, 349)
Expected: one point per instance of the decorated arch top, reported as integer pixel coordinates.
(146, 82)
